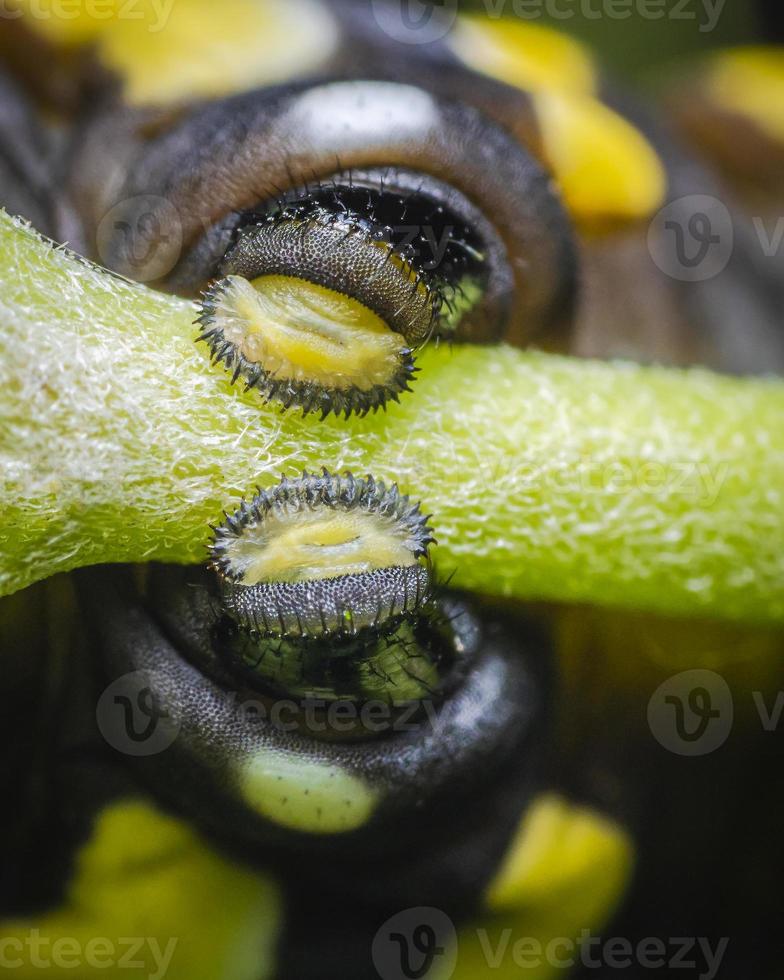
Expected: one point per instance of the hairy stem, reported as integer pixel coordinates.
(547, 477)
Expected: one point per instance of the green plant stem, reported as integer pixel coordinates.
(548, 477)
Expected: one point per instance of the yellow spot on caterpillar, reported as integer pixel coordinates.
(143, 873)
(314, 544)
(306, 795)
(563, 856)
(750, 81)
(605, 167)
(528, 56)
(179, 50)
(562, 875)
(299, 330)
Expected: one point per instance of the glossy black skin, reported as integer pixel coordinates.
(480, 751)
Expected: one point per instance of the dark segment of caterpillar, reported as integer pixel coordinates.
(408, 212)
(323, 555)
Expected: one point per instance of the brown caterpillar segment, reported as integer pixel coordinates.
(323, 555)
(472, 183)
